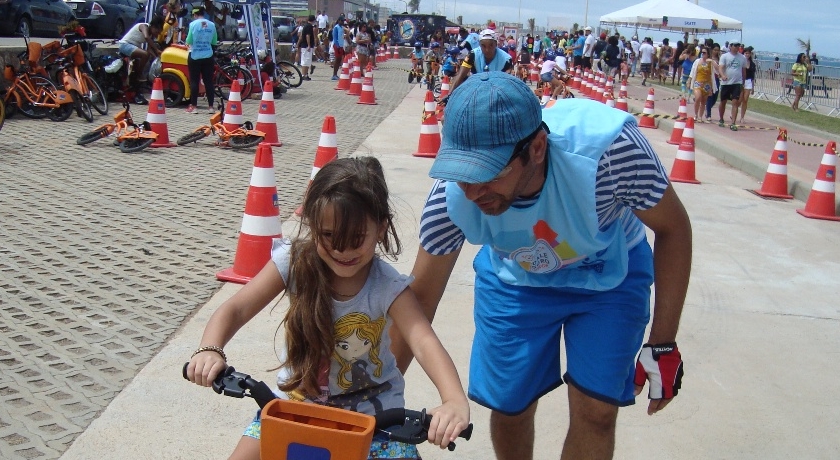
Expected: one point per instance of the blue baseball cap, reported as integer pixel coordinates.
(485, 118)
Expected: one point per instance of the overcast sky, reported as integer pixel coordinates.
(769, 25)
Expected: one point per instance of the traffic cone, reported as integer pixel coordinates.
(820, 204)
(394, 54)
(368, 96)
(327, 150)
(429, 143)
(356, 81)
(576, 81)
(775, 183)
(260, 223)
(233, 109)
(609, 89)
(683, 170)
(156, 116)
(679, 125)
(621, 102)
(546, 94)
(266, 118)
(646, 120)
(344, 78)
(602, 88)
(610, 101)
(444, 87)
(623, 90)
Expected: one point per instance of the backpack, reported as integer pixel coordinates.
(599, 47)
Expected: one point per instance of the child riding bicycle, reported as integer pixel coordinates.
(343, 299)
(417, 56)
(432, 60)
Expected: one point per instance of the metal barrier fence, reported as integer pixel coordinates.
(774, 83)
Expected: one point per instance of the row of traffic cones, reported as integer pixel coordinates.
(821, 200)
(355, 85)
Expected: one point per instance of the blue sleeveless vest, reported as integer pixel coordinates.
(556, 242)
(498, 62)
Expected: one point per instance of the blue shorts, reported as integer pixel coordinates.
(516, 350)
(546, 77)
(126, 49)
(381, 446)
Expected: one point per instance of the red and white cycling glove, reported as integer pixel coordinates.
(662, 365)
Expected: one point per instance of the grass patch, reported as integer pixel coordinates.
(783, 112)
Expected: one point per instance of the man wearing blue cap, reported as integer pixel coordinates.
(559, 204)
(487, 58)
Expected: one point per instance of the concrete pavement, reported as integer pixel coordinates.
(758, 336)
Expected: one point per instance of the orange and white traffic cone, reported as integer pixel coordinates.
(610, 101)
(344, 79)
(623, 89)
(775, 183)
(429, 143)
(576, 80)
(260, 223)
(266, 118)
(156, 116)
(368, 95)
(679, 124)
(327, 150)
(683, 170)
(394, 54)
(444, 87)
(546, 94)
(233, 109)
(534, 74)
(646, 120)
(621, 102)
(355, 88)
(820, 204)
(608, 88)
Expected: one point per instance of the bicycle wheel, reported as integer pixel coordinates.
(225, 78)
(97, 97)
(173, 89)
(135, 144)
(28, 109)
(242, 142)
(62, 112)
(82, 106)
(194, 136)
(291, 70)
(92, 136)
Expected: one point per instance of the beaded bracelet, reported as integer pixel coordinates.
(211, 348)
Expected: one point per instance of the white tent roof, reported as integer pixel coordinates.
(682, 16)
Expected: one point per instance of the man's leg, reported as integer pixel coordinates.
(513, 436)
(591, 428)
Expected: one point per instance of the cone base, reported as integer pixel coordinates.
(229, 275)
(367, 103)
(273, 144)
(669, 141)
(773, 195)
(644, 123)
(164, 145)
(685, 181)
(812, 215)
(425, 154)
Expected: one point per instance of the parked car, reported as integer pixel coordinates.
(34, 17)
(283, 28)
(106, 18)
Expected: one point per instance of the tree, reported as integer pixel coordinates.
(459, 20)
(531, 23)
(575, 27)
(804, 45)
(413, 6)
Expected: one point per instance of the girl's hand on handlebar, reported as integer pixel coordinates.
(205, 367)
(448, 420)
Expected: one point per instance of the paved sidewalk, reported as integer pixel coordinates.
(759, 337)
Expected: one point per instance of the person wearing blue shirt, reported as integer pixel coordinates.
(487, 58)
(577, 52)
(338, 33)
(201, 38)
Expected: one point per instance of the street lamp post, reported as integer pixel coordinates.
(406, 5)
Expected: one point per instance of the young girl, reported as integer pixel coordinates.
(342, 300)
(702, 82)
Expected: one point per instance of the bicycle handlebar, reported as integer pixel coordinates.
(412, 426)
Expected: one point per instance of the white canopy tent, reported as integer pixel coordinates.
(673, 16)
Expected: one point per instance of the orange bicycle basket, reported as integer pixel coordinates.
(292, 429)
(9, 73)
(33, 52)
(216, 118)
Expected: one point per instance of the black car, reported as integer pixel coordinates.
(36, 18)
(106, 18)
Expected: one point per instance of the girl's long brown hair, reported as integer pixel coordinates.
(357, 190)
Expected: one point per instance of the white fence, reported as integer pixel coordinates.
(774, 83)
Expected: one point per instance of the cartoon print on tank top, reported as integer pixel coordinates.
(357, 341)
(547, 254)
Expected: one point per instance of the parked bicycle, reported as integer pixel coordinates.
(311, 422)
(130, 137)
(243, 137)
(31, 92)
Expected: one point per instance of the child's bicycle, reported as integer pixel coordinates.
(294, 430)
(131, 137)
(239, 138)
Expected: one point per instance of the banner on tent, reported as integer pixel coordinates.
(706, 24)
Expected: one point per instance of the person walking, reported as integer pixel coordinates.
(749, 81)
(339, 34)
(732, 68)
(799, 71)
(559, 206)
(306, 47)
(646, 56)
(711, 100)
(201, 38)
(702, 82)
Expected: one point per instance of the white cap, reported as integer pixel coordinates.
(487, 34)
(587, 28)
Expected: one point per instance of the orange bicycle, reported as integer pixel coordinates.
(131, 137)
(32, 93)
(239, 138)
